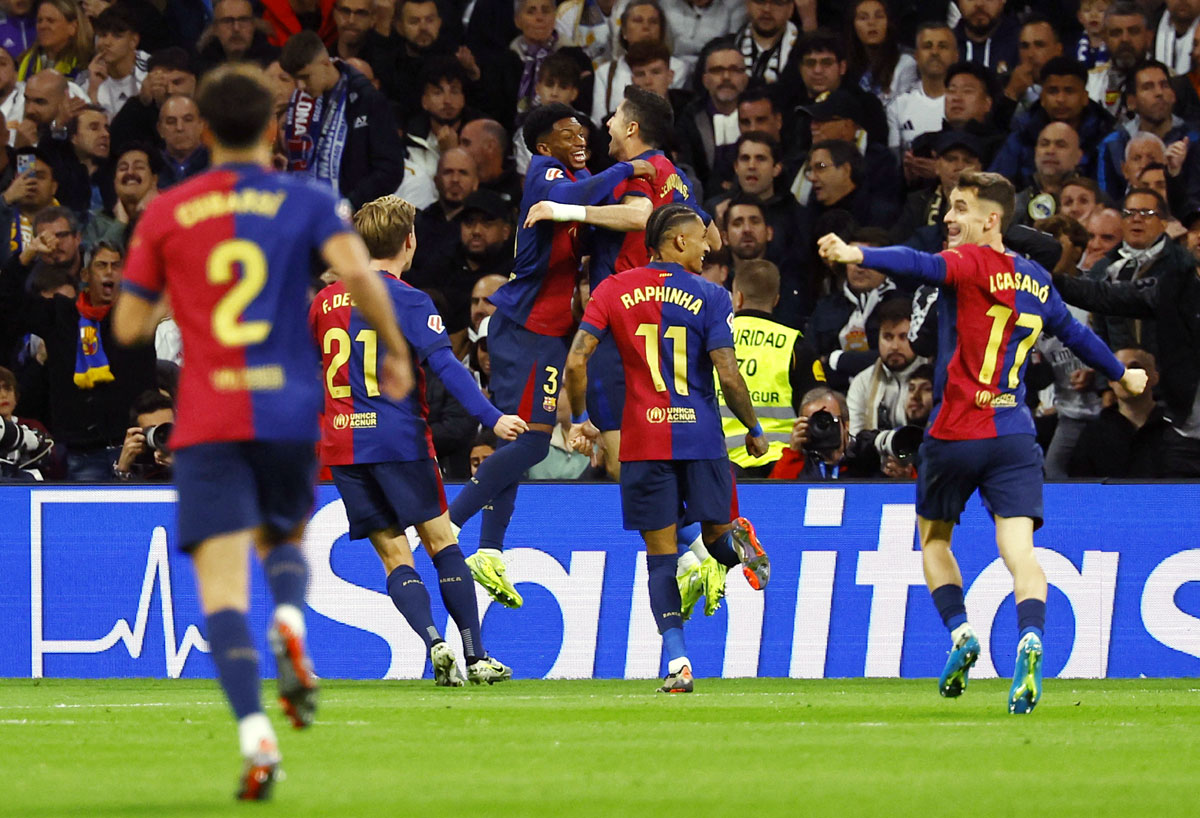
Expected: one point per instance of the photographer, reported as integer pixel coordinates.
(145, 454)
(23, 443)
(820, 446)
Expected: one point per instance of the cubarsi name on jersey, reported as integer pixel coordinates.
(666, 295)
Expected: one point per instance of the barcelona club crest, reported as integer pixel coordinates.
(549, 404)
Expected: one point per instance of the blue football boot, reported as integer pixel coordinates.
(1026, 688)
(953, 680)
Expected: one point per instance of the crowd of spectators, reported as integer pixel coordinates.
(792, 118)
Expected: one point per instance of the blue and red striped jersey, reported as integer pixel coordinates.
(233, 247)
(992, 309)
(539, 291)
(614, 251)
(665, 322)
(359, 424)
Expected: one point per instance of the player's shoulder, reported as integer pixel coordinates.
(1031, 268)
(545, 170)
(707, 289)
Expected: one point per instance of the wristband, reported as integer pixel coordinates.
(579, 418)
(757, 430)
(567, 212)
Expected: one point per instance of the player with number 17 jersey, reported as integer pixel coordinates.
(665, 322)
(217, 239)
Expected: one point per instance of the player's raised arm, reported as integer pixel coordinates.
(628, 216)
(1090, 349)
(898, 261)
(737, 398)
(346, 254)
(461, 384)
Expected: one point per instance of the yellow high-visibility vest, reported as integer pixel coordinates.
(764, 355)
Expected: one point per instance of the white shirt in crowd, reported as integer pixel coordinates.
(691, 27)
(911, 114)
(616, 74)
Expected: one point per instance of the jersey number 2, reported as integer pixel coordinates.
(227, 325)
(1000, 315)
(339, 337)
(678, 336)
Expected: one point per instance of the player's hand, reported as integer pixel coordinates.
(832, 248)
(756, 446)
(582, 437)
(1175, 156)
(642, 168)
(799, 434)
(1081, 379)
(539, 212)
(1134, 381)
(396, 380)
(509, 426)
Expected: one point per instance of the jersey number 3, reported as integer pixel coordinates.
(227, 325)
(678, 336)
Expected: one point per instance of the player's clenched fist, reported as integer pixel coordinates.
(642, 168)
(756, 446)
(582, 437)
(832, 248)
(1134, 381)
(509, 426)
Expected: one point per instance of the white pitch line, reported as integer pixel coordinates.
(89, 705)
(38, 721)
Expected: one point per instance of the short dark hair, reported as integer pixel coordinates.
(931, 25)
(652, 113)
(105, 244)
(645, 52)
(559, 68)
(665, 221)
(53, 214)
(1060, 224)
(757, 280)
(758, 93)
(1087, 182)
(153, 157)
(1126, 8)
(924, 372)
(758, 138)
(300, 50)
(842, 153)
(819, 40)
(724, 43)
(1147, 64)
(115, 19)
(872, 236)
(739, 200)
(73, 124)
(994, 188)
(894, 310)
(1042, 20)
(10, 380)
(236, 103)
(437, 70)
(540, 122)
(149, 401)
(979, 72)
(1159, 203)
(172, 58)
(47, 278)
(1063, 67)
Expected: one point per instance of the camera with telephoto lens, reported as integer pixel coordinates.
(158, 438)
(824, 433)
(21, 446)
(901, 443)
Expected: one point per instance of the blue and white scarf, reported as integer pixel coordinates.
(316, 130)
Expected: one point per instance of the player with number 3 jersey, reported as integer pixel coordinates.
(993, 307)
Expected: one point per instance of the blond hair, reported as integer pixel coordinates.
(384, 225)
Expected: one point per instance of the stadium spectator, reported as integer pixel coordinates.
(1091, 49)
(115, 74)
(24, 442)
(12, 95)
(694, 25)
(18, 26)
(180, 127)
(844, 325)
(557, 81)
(717, 266)
(89, 136)
(235, 36)
(777, 363)
(487, 142)
(169, 72)
(767, 38)
(1175, 33)
(1063, 99)
(92, 380)
(708, 127)
(975, 104)
(282, 87)
(434, 129)
(438, 225)
(987, 35)
(1146, 252)
(1037, 43)
(356, 148)
(417, 37)
(816, 454)
(353, 21)
(924, 209)
(1079, 198)
(287, 18)
(483, 447)
(838, 177)
(641, 22)
(651, 67)
(145, 453)
(876, 63)
(1056, 156)
(878, 396)
(1105, 228)
(840, 117)
(1150, 102)
(134, 179)
(49, 106)
(756, 169)
(922, 108)
(1128, 39)
(28, 193)
(1125, 440)
(64, 41)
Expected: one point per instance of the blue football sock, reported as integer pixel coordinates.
(723, 551)
(1031, 617)
(493, 523)
(948, 599)
(503, 469)
(236, 659)
(673, 643)
(458, 595)
(287, 575)
(409, 596)
(686, 535)
(664, 593)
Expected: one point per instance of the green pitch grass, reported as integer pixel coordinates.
(744, 748)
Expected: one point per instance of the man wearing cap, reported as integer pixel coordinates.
(1056, 157)
(1064, 99)
(485, 248)
(955, 151)
(839, 116)
(820, 58)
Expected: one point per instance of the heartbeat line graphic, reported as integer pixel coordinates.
(157, 566)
